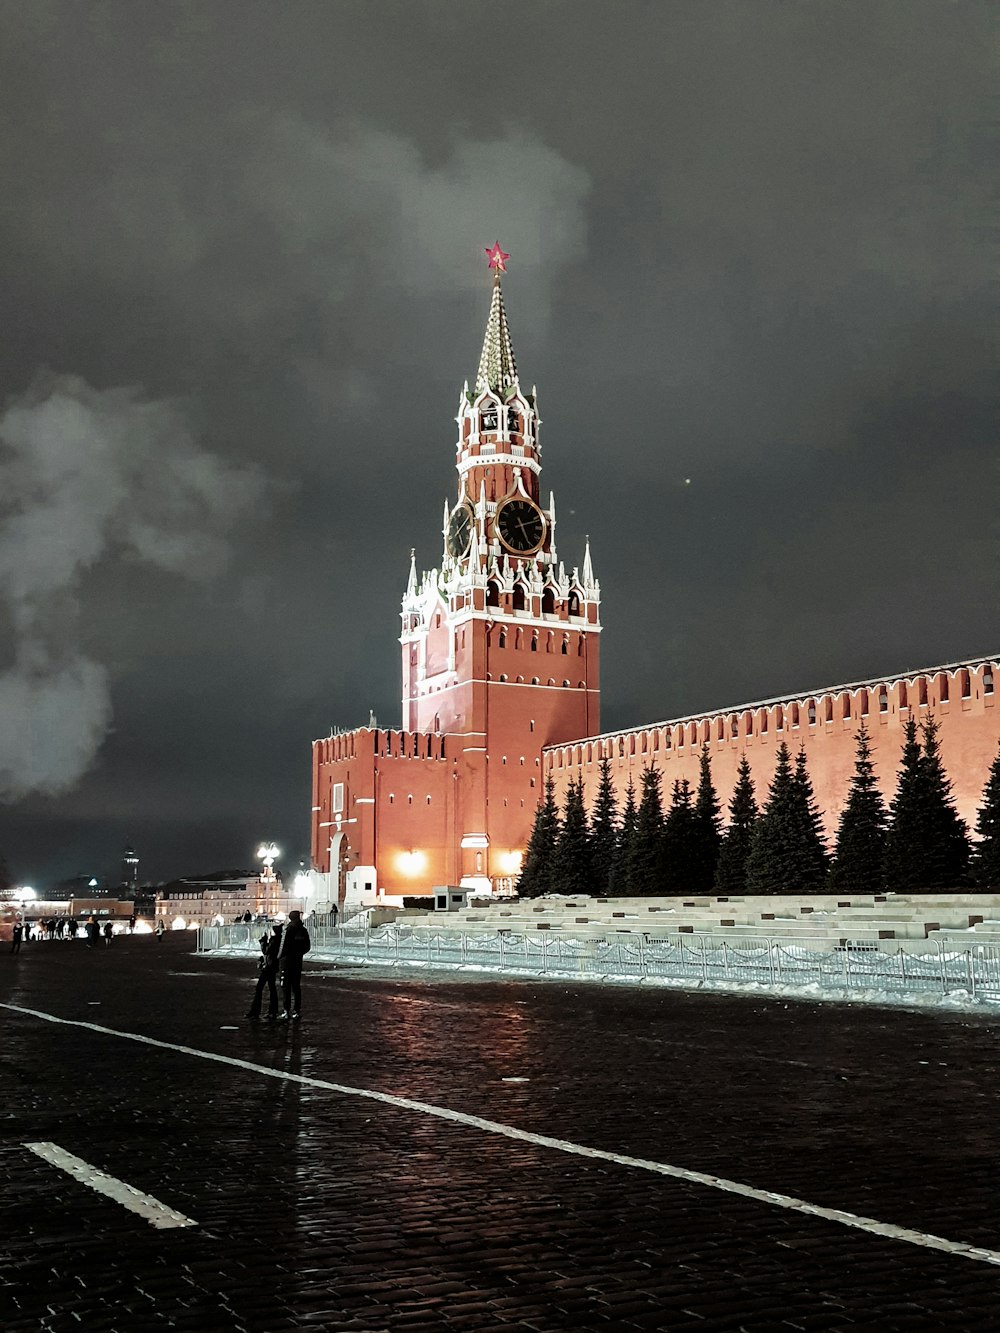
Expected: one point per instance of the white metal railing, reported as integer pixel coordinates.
(955, 966)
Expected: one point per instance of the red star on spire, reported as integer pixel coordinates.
(496, 257)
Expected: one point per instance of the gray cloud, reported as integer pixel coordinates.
(88, 476)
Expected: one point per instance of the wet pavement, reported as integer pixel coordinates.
(317, 1208)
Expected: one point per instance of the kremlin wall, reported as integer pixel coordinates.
(501, 690)
(960, 696)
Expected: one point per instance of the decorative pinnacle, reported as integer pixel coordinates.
(497, 367)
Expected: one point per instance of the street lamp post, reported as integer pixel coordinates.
(268, 852)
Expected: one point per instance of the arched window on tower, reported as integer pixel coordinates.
(517, 601)
(502, 639)
(564, 647)
(492, 593)
(574, 604)
(534, 641)
(548, 602)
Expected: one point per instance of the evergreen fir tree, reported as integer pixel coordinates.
(731, 871)
(928, 842)
(812, 861)
(904, 851)
(859, 863)
(986, 862)
(604, 830)
(683, 844)
(572, 867)
(536, 875)
(787, 854)
(619, 881)
(644, 860)
(707, 826)
(946, 833)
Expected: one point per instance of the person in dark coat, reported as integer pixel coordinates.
(269, 947)
(15, 937)
(295, 944)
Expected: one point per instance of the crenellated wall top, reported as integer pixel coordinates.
(944, 685)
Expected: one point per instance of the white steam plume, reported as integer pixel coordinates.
(88, 476)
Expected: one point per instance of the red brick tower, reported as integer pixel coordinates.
(499, 654)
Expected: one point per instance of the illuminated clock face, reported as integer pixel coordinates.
(459, 530)
(520, 526)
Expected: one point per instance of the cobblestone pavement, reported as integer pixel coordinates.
(317, 1209)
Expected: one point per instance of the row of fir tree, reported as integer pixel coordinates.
(918, 843)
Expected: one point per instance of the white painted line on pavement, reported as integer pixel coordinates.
(770, 1197)
(156, 1214)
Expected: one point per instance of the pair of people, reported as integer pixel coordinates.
(282, 953)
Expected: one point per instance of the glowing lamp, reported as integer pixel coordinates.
(411, 863)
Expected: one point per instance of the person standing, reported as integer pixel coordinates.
(295, 944)
(270, 946)
(108, 932)
(15, 937)
(93, 932)
(333, 913)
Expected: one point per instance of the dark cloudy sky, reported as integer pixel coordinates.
(754, 244)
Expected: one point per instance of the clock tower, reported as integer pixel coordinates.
(499, 658)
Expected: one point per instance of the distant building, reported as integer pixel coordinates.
(130, 871)
(226, 895)
(84, 886)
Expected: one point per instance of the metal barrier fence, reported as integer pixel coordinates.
(956, 966)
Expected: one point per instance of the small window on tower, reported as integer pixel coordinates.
(513, 420)
(502, 642)
(574, 604)
(490, 419)
(531, 724)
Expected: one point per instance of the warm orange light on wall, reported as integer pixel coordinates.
(411, 863)
(511, 862)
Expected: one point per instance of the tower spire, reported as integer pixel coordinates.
(497, 367)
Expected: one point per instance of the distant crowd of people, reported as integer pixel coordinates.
(64, 928)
